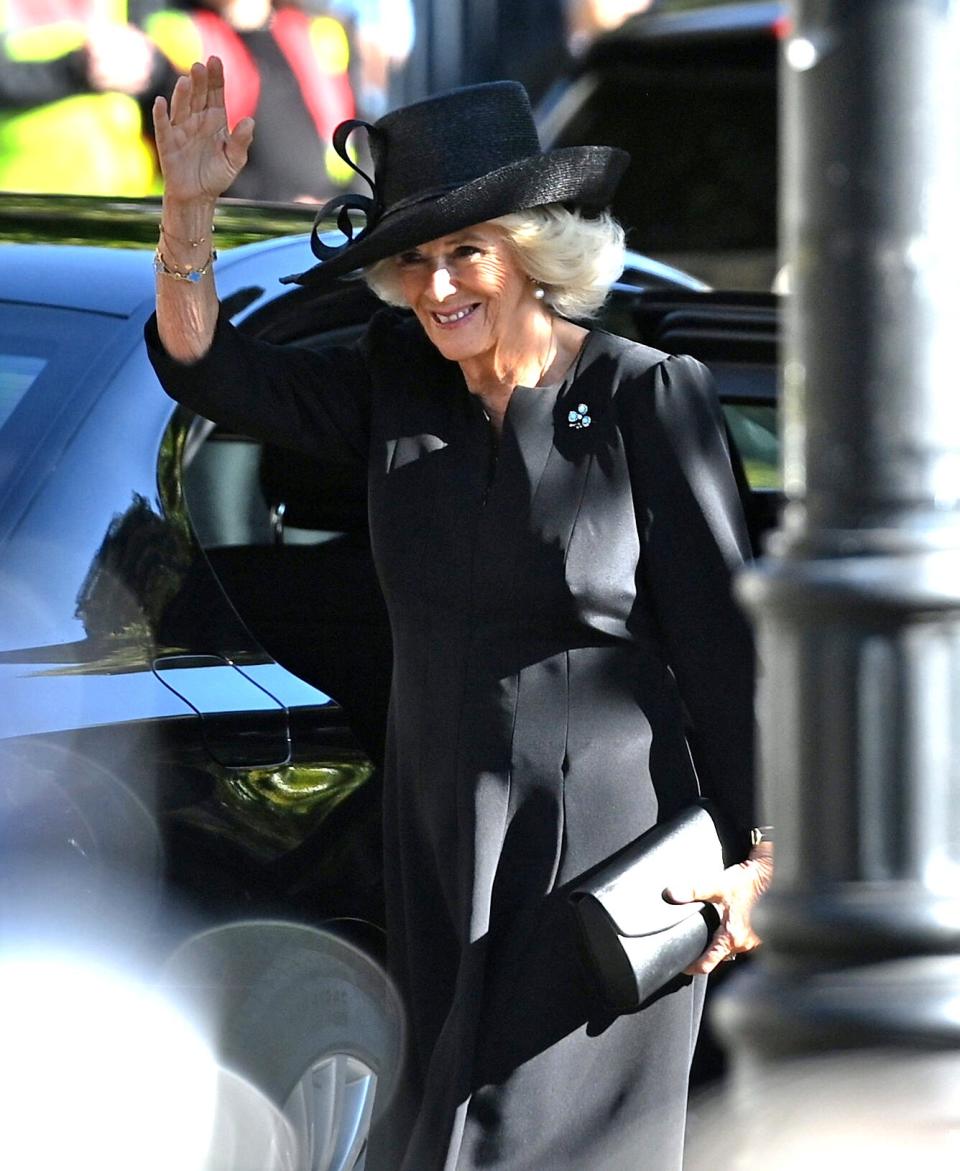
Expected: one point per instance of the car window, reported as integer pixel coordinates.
(44, 353)
(52, 367)
(18, 372)
(754, 430)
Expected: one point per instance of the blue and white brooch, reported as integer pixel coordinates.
(579, 418)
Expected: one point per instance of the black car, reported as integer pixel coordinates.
(692, 95)
(170, 793)
(194, 654)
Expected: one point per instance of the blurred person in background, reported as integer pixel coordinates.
(587, 19)
(288, 68)
(537, 42)
(76, 80)
(528, 44)
(383, 34)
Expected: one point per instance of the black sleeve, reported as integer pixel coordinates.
(693, 539)
(285, 395)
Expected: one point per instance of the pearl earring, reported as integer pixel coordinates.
(538, 292)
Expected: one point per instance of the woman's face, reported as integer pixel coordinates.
(468, 292)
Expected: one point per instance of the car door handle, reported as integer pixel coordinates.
(243, 725)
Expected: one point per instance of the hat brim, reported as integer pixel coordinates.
(585, 176)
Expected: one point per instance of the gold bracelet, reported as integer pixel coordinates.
(180, 239)
(189, 273)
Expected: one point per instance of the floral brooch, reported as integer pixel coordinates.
(579, 418)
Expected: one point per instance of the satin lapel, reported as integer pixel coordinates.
(462, 483)
(578, 427)
(503, 519)
(527, 439)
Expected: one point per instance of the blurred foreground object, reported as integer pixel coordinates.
(858, 601)
(133, 1083)
(885, 1110)
(307, 1018)
(138, 1086)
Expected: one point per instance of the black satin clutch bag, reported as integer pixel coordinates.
(634, 940)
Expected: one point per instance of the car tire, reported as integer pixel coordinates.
(308, 1018)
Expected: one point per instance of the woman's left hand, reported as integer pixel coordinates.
(735, 892)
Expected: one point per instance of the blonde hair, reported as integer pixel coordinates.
(574, 258)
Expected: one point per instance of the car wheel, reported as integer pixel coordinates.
(308, 1019)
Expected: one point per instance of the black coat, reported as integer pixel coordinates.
(563, 630)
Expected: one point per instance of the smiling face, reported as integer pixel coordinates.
(470, 294)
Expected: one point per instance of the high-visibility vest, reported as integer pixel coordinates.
(86, 144)
(315, 47)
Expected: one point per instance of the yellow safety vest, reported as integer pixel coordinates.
(87, 144)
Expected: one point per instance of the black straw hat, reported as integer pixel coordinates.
(448, 162)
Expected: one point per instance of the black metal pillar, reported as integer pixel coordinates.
(857, 605)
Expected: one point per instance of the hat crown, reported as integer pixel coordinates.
(449, 140)
(453, 160)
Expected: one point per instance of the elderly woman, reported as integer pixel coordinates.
(554, 523)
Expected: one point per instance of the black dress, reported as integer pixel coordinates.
(563, 630)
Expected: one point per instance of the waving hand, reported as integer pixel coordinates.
(199, 156)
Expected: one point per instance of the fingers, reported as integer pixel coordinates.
(243, 133)
(735, 893)
(161, 130)
(201, 89)
(161, 118)
(705, 892)
(198, 88)
(719, 949)
(733, 937)
(238, 144)
(708, 885)
(215, 83)
(180, 100)
(721, 945)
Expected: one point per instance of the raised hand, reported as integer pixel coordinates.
(199, 156)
